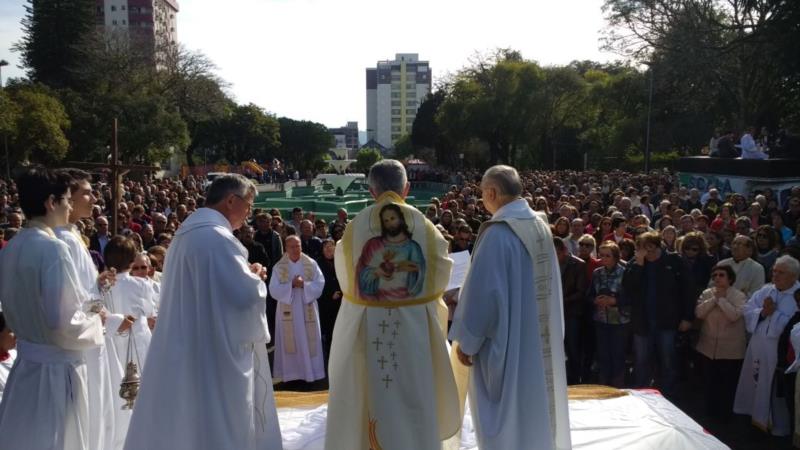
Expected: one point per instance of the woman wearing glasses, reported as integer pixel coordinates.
(722, 340)
(611, 314)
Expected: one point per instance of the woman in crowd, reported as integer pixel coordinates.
(785, 233)
(561, 227)
(603, 229)
(725, 219)
(627, 248)
(716, 248)
(331, 298)
(694, 253)
(610, 315)
(767, 248)
(668, 235)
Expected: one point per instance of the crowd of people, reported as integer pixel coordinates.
(660, 283)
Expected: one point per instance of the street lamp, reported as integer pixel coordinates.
(649, 114)
(3, 63)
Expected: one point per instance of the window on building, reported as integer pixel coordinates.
(123, 7)
(395, 120)
(113, 22)
(396, 128)
(395, 103)
(395, 112)
(411, 111)
(113, 8)
(411, 103)
(411, 86)
(395, 95)
(123, 22)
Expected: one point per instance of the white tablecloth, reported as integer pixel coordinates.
(639, 421)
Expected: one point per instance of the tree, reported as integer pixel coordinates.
(726, 63)
(40, 125)
(54, 31)
(304, 144)
(119, 80)
(251, 134)
(403, 148)
(365, 159)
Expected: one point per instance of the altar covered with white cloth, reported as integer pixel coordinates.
(640, 420)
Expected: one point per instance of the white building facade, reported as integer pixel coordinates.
(395, 90)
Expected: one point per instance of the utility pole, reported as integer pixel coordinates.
(649, 114)
(4, 63)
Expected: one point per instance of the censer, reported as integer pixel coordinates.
(129, 388)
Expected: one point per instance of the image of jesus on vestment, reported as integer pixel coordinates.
(391, 266)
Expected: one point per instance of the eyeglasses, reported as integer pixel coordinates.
(249, 204)
(140, 268)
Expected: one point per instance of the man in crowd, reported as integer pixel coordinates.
(749, 273)
(659, 289)
(312, 245)
(573, 287)
(391, 383)
(296, 284)
(211, 338)
(508, 325)
(255, 251)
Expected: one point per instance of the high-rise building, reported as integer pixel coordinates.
(155, 21)
(395, 89)
(346, 136)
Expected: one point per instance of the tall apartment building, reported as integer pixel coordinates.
(346, 136)
(395, 89)
(153, 20)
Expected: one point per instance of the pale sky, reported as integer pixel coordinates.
(306, 59)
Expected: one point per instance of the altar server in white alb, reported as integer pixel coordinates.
(45, 403)
(296, 284)
(206, 383)
(508, 325)
(103, 371)
(133, 299)
(765, 316)
(8, 352)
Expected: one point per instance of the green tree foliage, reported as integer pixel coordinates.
(39, 122)
(304, 144)
(54, 33)
(723, 63)
(365, 158)
(403, 147)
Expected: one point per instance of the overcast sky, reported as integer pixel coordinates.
(305, 59)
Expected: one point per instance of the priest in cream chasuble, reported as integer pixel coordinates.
(391, 382)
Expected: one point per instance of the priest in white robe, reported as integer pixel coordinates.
(391, 382)
(206, 382)
(765, 315)
(103, 370)
(749, 273)
(45, 402)
(508, 325)
(296, 284)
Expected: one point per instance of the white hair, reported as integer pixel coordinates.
(387, 175)
(505, 178)
(789, 263)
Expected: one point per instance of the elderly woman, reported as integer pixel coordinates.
(722, 340)
(611, 313)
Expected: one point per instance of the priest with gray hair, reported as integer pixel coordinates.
(208, 382)
(508, 325)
